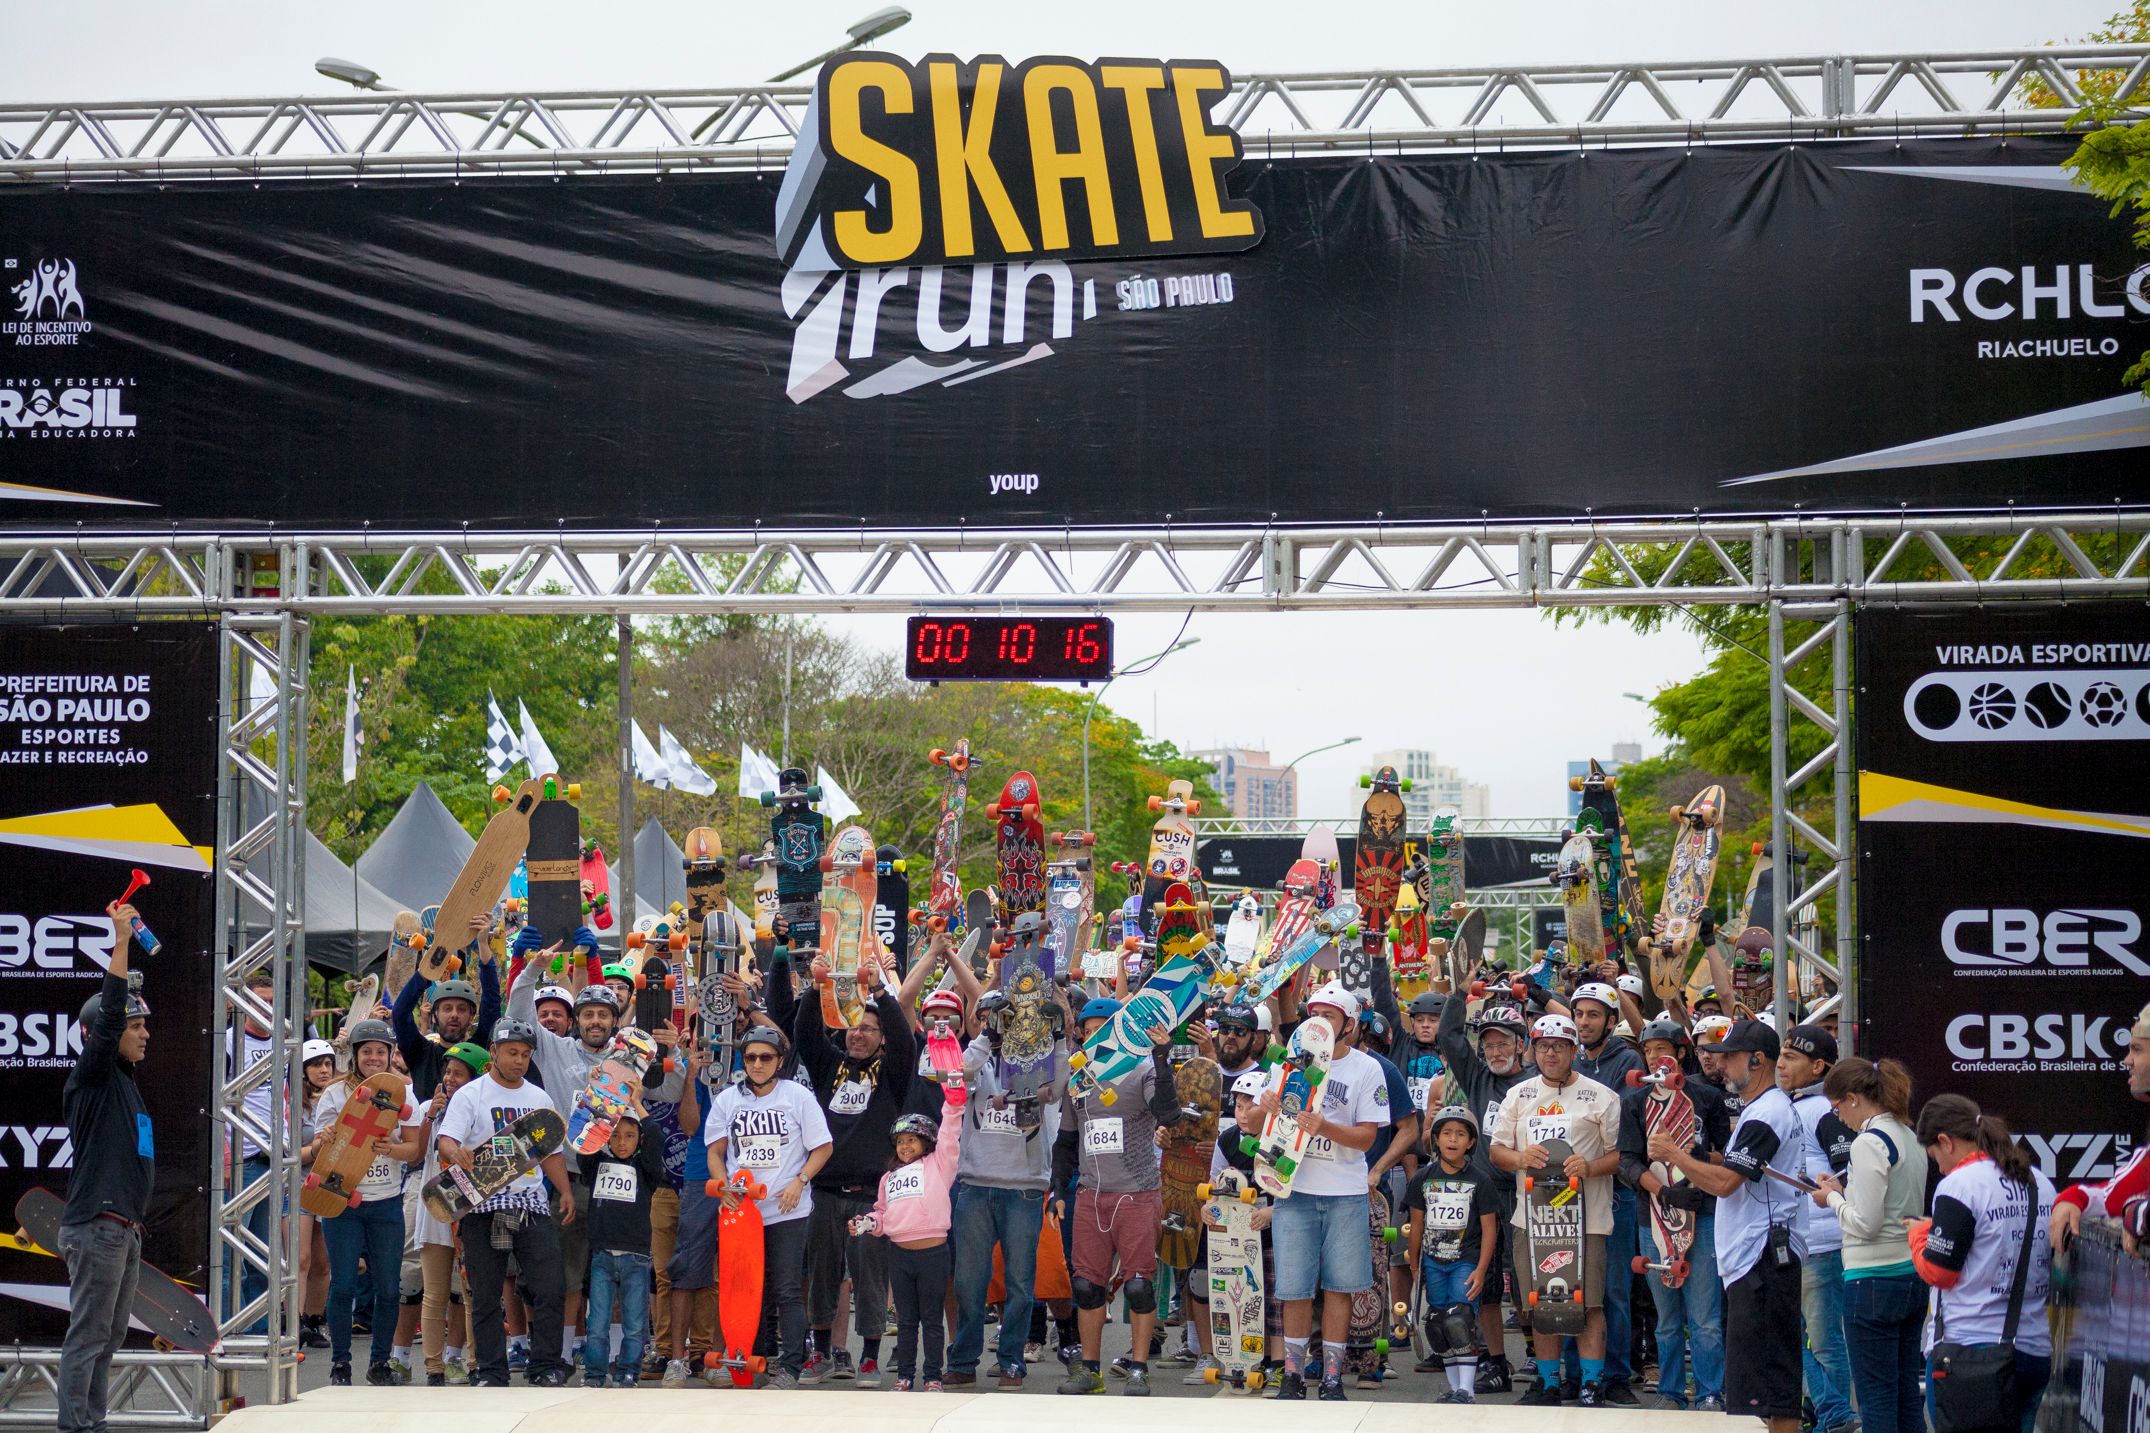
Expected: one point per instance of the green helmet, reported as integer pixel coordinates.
(473, 1055)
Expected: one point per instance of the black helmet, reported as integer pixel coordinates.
(1373, 1025)
(512, 1029)
(372, 1032)
(1661, 1028)
(1432, 1002)
(924, 1126)
(136, 1006)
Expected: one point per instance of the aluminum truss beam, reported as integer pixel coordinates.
(1997, 557)
(1277, 115)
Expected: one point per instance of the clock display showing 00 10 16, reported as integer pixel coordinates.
(1008, 649)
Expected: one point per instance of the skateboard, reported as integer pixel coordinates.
(1320, 848)
(373, 1112)
(1174, 991)
(846, 909)
(494, 1165)
(739, 1277)
(1285, 963)
(614, 1090)
(664, 932)
(477, 887)
(365, 994)
(405, 937)
(1553, 1234)
(1668, 1111)
(1576, 877)
(1460, 952)
(1376, 874)
(1280, 1146)
(1069, 902)
(596, 886)
(944, 888)
(656, 991)
(712, 942)
(1183, 1159)
(1441, 885)
(1027, 1020)
(1171, 859)
(941, 1060)
(1687, 889)
(1020, 842)
(1297, 908)
(1753, 954)
(763, 868)
(981, 943)
(555, 861)
(891, 906)
(1620, 885)
(797, 830)
(1243, 931)
(172, 1313)
(1367, 1341)
(1236, 1295)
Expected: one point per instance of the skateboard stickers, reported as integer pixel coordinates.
(944, 888)
(1236, 1294)
(1020, 840)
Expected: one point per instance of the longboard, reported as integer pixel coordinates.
(1667, 1111)
(1243, 931)
(1069, 901)
(555, 861)
(847, 898)
(405, 938)
(365, 994)
(1028, 1065)
(1236, 1294)
(1171, 859)
(1019, 842)
(1184, 1157)
(1174, 991)
(713, 941)
(739, 1277)
(797, 830)
(596, 885)
(763, 869)
(1553, 1235)
(371, 1114)
(1620, 885)
(1281, 1145)
(1376, 875)
(479, 884)
(944, 887)
(1687, 889)
(1283, 965)
(1320, 848)
(168, 1309)
(494, 1165)
(1367, 1339)
(1576, 877)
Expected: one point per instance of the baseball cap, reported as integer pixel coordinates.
(1750, 1037)
(1239, 1017)
(1251, 1084)
(1811, 1041)
(1337, 996)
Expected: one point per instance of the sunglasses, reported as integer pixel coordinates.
(758, 1059)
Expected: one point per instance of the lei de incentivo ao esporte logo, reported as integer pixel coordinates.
(46, 310)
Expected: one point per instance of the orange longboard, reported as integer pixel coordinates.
(482, 880)
(739, 1276)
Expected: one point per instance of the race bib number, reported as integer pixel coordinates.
(850, 1098)
(381, 1174)
(1421, 1087)
(1544, 1129)
(998, 1121)
(618, 1182)
(908, 1182)
(1448, 1208)
(1104, 1136)
(760, 1151)
(1320, 1147)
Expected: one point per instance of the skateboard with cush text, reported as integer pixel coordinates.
(1376, 875)
(1692, 871)
(846, 937)
(762, 866)
(1171, 859)
(371, 1114)
(495, 1164)
(1553, 1238)
(1667, 1111)
(478, 886)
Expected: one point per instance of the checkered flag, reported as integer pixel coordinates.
(503, 748)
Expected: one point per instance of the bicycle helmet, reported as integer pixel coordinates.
(372, 1032)
(924, 1126)
(512, 1030)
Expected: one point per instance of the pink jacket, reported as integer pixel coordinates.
(913, 1202)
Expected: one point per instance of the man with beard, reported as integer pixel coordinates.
(1606, 1057)
(862, 1087)
(461, 1012)
(1486, 1075)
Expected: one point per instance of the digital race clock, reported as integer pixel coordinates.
(1008, 649)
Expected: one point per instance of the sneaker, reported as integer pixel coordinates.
(402, 1370)
(1591, 1395)
(1069, 1354)
(518, 1358)
(1199, 1374)
(901, 1385)
(381, 1375)
(1083, 1379)
(1372, 1375)
(1494, 1376)
(675, 1373)
(958, 1379)
(840, 1366)
(1291, 1388)
(311, 1334)
(1709, 1405)
(1332, 1391)
(1666, 1403)
(1849, 1425)
(1118, 1367)
(1138, 1384)
(717, 1377)
(815, 1368)
(1617, 1392)
(339, 1375)
(481, 1381)
(1011, 1378)
(783, 1378)
(1033, 1352)
(933, 1385)
(550, 1378)
(1571, 1389)
(869, 1373)
(1431, 1363)
(1545, 1395)
(436, 1380)
(1462, 1397)
(458, 1371)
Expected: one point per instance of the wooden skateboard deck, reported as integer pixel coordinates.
(847, 898)
(1410, 942)
(479, 884)
(495, 1164)
(1670, 1112)
(944, 888)
(555, 862)
(1687, 888)
(614, 1090)
(763, 868)
(1553, 1235)
(1281, 1144)
(1622, 916)
(596, 885)
(1320, 848)
(739, 1277)
(1019, 839)
(1367, 1342)
(168, 1309)
(1285, 963)
(1070, 900)
(712, 942)
(797, 831)
(1576, 877)
(405, 937)
(1171, 857)
(371, 1114)
(1376, 875)
(365, 994)
(1183, 1159)
(1236, 1295)
(1243, 932)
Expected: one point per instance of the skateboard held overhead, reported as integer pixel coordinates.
(555, 860)
(1377, 874)
(1687, 889)
(944, 888)
(847, 936)
(797, 831)
(478, 886)
(1019, 839)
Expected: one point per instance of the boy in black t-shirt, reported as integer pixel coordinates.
(1455, 1228)
(621, 1181)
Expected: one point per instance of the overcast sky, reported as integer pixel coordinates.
(1500, 695)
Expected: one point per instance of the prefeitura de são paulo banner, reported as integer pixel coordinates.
(108, 750)
(1756, 328)
(2004, 863)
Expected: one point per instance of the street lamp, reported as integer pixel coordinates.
(349, 72)
(1316, 752)
(1091, 711)
(873, 27)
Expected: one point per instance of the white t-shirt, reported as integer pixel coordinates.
(1768, 1132)
(771, 1135)
(1978, 1230)
(1355, 1092)
(384, 1177)
(1584, 1113)
(482, 1109)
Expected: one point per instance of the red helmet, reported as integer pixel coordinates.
(946, 1000)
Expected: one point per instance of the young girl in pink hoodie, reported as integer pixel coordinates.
(912, 1213)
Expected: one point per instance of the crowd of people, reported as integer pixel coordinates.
(1846, 1237)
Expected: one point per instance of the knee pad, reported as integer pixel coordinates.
(1141, 1295)
(1459, 1326)
(1089, 1295)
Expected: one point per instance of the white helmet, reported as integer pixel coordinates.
(1631, 984)
(1712, 1028)
(1264, 1021)
(1554, 1027)
(314, 1050)
(554, 992)
(1337, 996)
(1767, 1017)
(1252, 1084)
(1599, 991)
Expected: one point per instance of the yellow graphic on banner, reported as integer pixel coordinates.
(140, 835)
(1892, 798)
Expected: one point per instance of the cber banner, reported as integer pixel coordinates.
(2004, 856)
(108, 738)
(1146, 330)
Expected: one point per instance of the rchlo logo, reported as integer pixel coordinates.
(48, 305)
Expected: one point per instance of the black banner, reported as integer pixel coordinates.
(2004, 860)
(1494, 861)
(109, 743)
(1260, 862)
(1726, 329)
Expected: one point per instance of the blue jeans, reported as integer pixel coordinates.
(1690, 1322)
(1619, 1327)
(618, 1283)
(251, 1282)
(1821, 1354)
(373, 1229)
(982, 1217)
(2033, 1371)
(1448, 1284)
(1885, 1316)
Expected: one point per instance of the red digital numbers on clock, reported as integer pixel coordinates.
(1005, 649)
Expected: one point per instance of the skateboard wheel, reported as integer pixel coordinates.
(500, 794)
(1575, 783)
(641, 981)
(937, 756)
(312, 1179)
(1402, 1311)
(1640, 1263)
(1530, 1183)
(574, 791)
(714, 1188)
(1679, 1271)
(354, 1199)
(1246, 1196)
(1248, 1144)
(1365, 781)
(1108, 1097)
(757, 1364)
(455, 963)
(712, 1360)
(1391, 1235)
(1210, 1375)
(1077, 1060)
(1285, 1164)
(1157, 803)
(1381, 1348)
(1255, 1380)
(678, 941)
(671, 982)
(1534, 1298)
(1634, 1079)
(1202, 1191)
(1314, 1077)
